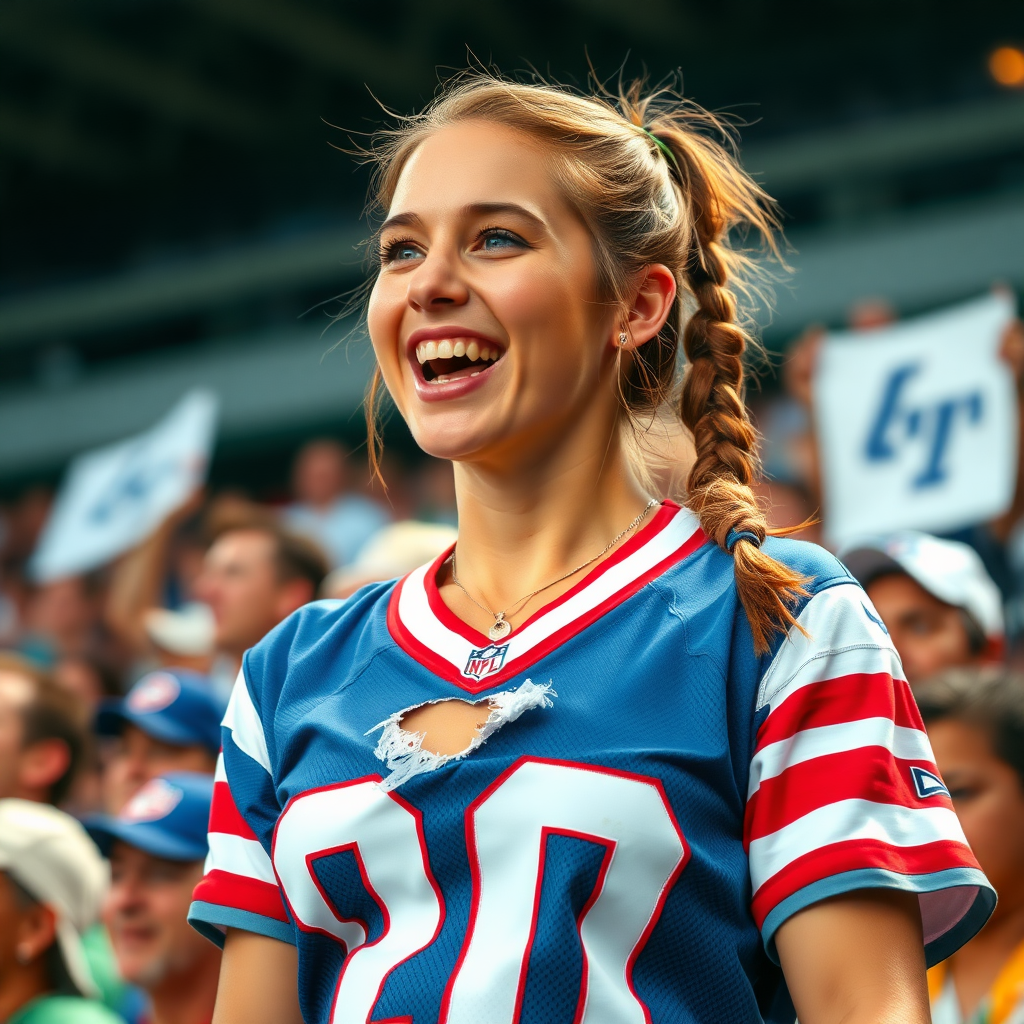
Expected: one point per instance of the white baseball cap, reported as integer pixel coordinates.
(189, 630)
(51, 856)
(949, 570)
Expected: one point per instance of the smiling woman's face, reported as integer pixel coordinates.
(485, 316)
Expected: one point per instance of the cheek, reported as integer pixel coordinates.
(993, 832)
(383, 321)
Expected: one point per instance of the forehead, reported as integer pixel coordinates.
(898, 587)
(477, 162)
(246, 546)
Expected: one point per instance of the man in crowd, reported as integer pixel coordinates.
(42, 733)
(52, 882)
(255, 574)
(325, 509)
(168, 722)
(156, 846)
(934, 596)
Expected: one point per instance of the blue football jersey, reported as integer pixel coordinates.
(647, 802)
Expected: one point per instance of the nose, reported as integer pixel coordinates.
(437, 282)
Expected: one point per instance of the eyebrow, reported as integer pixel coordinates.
(473, 210)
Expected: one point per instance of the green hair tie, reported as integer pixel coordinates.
(669, 155)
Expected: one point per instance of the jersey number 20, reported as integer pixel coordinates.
(507, 829)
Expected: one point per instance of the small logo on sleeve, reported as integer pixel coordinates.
(927, 783)
(875, 619)
(485, 661)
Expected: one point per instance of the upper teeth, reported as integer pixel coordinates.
(449, 348)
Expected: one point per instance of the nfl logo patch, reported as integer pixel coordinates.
(485, 661)
(155, 692)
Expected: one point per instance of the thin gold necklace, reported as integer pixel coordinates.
(502, 627)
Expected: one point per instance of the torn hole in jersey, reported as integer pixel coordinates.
(407, 753)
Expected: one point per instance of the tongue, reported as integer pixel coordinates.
(438, 366)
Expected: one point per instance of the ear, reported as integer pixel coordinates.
(652, 304)
(36, 932)
(42, 763)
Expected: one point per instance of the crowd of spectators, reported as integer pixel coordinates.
(113, 684)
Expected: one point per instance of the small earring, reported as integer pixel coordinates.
(623, 338)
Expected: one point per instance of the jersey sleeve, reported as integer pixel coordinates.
(239, 888)
(844, 793)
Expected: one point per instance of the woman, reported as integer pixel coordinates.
(576, 768)
(975, 720)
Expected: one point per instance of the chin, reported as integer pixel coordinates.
(451, 438)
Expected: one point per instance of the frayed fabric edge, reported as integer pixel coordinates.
(403, 751)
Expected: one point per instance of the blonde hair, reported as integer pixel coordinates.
(654, 179)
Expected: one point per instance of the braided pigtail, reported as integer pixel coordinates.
(720, 199)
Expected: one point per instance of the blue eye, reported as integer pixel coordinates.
(497, 239)
(400, 251)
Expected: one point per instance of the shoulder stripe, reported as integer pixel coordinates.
(907, 743)
(244, 722)
(850, 820)
(225, 816)
(865, 773)
(838, 700)
(249, 895)
(240, 856)
(855, 856)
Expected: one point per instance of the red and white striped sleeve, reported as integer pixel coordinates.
(239, 888)
(844, 793)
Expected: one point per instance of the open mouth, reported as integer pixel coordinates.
(454, 358)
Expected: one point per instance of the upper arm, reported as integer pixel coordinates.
(258, 981)
(844, 794)
(858, 959)
(239, 888)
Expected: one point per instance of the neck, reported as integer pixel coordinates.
(522, 527)
(188, 997)
(21, 986)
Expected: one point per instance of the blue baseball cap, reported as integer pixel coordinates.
(173, 705)
(167, 818)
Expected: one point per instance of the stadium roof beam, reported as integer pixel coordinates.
(895, 144)
(327, 258)
(131, 76)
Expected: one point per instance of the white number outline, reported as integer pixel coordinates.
(610, 844)
(546, 831)
(315, 855)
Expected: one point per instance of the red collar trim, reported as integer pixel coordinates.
(427, 630)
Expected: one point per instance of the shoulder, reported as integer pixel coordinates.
(821, 569)
(318, 630)
(837, 630)
(66, 1010)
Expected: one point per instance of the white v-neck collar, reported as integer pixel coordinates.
(426, 629)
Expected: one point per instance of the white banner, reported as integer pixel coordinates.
(114, 497)
(917, 423)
